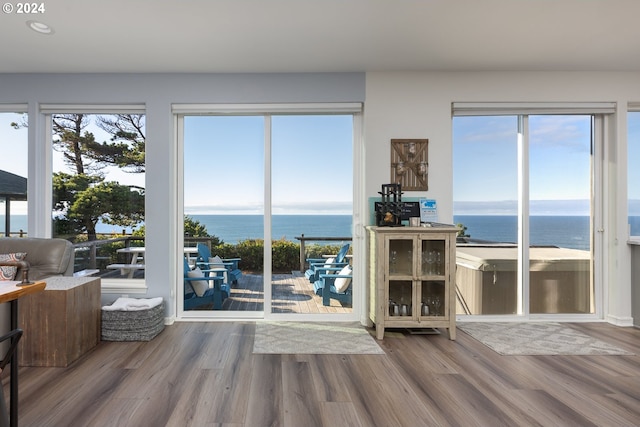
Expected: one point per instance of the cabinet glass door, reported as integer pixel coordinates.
(432, 270)
(400, 299)
(400, 257)
(401, 272)
(433, 298)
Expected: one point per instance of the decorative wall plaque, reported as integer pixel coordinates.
(410, 163)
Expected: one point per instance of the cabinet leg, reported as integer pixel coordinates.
(452, 333)
(379, 331)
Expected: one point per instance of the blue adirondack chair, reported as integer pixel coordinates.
(334, 284)
(340, 260)
(231, 264)
(215, 294)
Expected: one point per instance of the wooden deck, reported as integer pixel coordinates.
(291, 293)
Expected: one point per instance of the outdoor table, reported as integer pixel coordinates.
(133, 265)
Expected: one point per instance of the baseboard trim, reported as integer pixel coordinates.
(619, 321)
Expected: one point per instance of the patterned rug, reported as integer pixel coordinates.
(313, 338)
(537, 339)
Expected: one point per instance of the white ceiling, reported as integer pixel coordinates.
(323, 36)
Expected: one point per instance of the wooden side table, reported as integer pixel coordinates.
(60, 324)
(10, 292)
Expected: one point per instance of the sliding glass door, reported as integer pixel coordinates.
(262, 194)
(560, 232)
(223, 212)
(523, 191)
(486, 205)
(311, 205)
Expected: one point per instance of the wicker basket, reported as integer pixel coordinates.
(139, 325)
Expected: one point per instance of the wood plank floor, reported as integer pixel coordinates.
(204, 374)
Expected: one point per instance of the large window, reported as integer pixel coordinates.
(13, 174)
(98, 191)
(523, 191)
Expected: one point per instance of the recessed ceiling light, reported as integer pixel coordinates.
(40, 27)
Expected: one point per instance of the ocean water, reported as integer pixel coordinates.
(234, 228)
(562, 231)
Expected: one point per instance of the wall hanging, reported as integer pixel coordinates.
(410, 164)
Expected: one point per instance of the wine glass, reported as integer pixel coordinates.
(437, 304)
(438, 261)
(393, 259)
(430, 259)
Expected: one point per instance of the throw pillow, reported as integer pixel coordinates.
(9, 273)
(199, 286)
(216, 261)
(342, 283)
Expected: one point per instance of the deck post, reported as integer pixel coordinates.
(302, 253)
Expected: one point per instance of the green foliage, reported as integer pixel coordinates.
(193, 228)
(316, 250)
(84, 200)
(251, 251)
(463, 230)
(110, 202)
(285, 255)
(127, 149)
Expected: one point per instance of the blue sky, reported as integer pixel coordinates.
(224, 163)
(313, 162)
(485, 165)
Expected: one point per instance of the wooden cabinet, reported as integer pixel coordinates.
(412, 272)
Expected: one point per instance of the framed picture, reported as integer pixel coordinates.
(410, 163)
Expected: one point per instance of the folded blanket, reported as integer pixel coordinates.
(133, 304)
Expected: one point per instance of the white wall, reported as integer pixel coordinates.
(418, 105)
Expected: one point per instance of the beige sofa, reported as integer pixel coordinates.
(46, 257)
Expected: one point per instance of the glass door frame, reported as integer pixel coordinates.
(601, 132)
(596, 223)
(359, 204)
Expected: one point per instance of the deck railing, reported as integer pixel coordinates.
(90, 260)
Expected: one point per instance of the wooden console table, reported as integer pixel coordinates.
(10, 292)
(60, 324)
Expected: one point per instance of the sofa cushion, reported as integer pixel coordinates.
(46, 257)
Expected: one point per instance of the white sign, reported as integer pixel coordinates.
(428, 210)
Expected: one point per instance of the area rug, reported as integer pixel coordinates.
(537, 339)
(313, 338)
